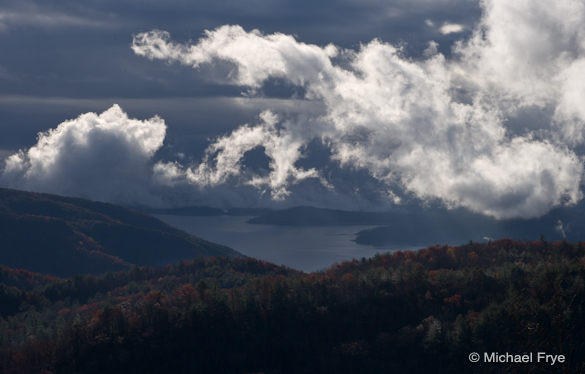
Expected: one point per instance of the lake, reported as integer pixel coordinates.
(303, 248)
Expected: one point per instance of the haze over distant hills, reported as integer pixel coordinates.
(203, 210)
(64, 236)
(419, 226)
(414, 225)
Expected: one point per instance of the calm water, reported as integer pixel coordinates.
(303, 248)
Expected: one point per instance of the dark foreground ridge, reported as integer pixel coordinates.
(406, 312)
(64, 236)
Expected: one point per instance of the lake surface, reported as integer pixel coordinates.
(303, 248)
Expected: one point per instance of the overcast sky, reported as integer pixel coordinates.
(451, 101)
(62, 58)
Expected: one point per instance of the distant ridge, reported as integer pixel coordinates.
(188, 211)
(312, 216)
(63, 236)
(205, 211)
(417, 226)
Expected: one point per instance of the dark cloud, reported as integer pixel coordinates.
(59, 52)
(88, 54)
(72, 49)
(68, 57)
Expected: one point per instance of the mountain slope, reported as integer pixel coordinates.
(405, 312)
(64, 236)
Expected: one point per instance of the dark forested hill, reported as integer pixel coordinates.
(64, 236)
(407, 312)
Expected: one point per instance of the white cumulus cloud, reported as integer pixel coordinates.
(451, 28)
(449, 129)
(437, 128)
(105, 157)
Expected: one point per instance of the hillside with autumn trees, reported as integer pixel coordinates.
(412, 311)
